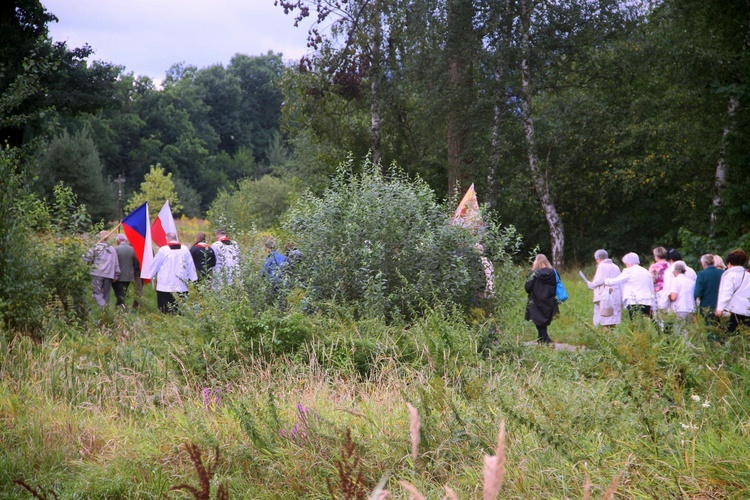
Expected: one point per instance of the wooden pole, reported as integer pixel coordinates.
(110, 233)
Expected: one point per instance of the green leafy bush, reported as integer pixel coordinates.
(41, 270)
(279, 335)
(253, 204)
(382, 243)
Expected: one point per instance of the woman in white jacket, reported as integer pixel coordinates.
(605, 268)
(734, 291)
(636, 285)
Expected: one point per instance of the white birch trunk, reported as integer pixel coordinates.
(720, 177)
(374, 90)
(541, 186)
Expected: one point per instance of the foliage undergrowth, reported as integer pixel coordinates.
(294, 400)
(304, 395)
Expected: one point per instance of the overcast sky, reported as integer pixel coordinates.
(148, 36)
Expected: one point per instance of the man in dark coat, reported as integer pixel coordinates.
(707, 287)
(542, 306)
(128, 265)
(203, 256)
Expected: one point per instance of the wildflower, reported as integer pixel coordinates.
(706, 404)
(695, 398)
(690, 427)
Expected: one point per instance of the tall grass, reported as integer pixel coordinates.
(104, 409)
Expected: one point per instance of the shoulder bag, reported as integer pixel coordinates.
(560, 292)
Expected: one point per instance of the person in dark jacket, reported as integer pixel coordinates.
(707, 287)
(203, 256)
(542, 305)
(128, 265)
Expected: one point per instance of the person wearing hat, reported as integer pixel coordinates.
(227, 259)
(203, 256)
(173, 268)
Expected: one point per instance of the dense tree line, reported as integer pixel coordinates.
(586, 124)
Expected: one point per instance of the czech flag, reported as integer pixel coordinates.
(163, 224)
(137, 228)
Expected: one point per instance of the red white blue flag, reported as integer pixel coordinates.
(163, 224)
(137, 227)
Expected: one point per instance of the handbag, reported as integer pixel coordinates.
(607, 305)
(560, 292)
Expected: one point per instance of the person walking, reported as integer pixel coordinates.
(605, 269)
(128, 264)
(734, 291)
(637, 286)
(227, 260)
(707, 287)
(203, 255)
(657, 271)
(682, 297)
(173, 268)
(541, 306)
(104, 269)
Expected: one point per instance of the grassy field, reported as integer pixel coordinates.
(238, 403)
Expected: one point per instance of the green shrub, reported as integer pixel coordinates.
(41, 270)
(253, 204)
(383, 244)
(277, 335)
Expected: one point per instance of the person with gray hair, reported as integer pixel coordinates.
(128, 265)
(681, 293)
(605, 269)
(173, 268)
(707, 287)
(673, 256)
(637, 286)
(104, 269)
(681, 299)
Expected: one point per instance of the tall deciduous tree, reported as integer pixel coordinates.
(461, 48)
(74, 160)
(37, 75)
(351, 52)
(157, 188)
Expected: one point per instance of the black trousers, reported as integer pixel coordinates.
(167, 301)
(542, 334)
(121, 289)
(735, 320)
(635, 309)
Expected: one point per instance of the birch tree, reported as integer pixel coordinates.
(350, 48)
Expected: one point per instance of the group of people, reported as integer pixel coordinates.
(668, 286)
(173, 267)
(113, 268)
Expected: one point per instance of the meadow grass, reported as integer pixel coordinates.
(316, 405)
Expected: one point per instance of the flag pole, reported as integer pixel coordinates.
(110, 233)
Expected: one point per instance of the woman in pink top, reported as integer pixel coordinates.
(657, 270)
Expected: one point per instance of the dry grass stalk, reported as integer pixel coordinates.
(413, 491)
(587, 488)
(204, 475)
(610, 493)
(494, 467)
(450, 494)
(40, 494)
(414, 427)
